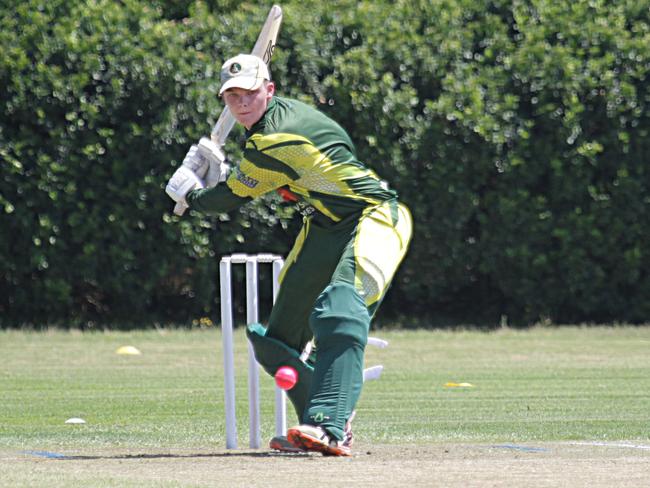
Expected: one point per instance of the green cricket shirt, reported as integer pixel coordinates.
(305, 155)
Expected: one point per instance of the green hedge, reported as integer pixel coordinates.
(517, 132)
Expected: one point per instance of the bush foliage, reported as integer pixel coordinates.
(517, 132)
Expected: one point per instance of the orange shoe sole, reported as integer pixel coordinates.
(282, 444)
(309, 443)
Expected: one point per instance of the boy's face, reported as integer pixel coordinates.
(248, 106)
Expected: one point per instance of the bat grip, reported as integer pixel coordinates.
(179, 208)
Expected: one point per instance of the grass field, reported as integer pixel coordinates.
(566, 406)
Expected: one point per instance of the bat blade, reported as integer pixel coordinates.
(222, 128)
(265, 44)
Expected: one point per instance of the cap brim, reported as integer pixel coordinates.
(245, 82)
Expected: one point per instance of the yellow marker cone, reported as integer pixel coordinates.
(128, 351)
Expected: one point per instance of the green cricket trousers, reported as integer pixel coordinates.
(332, 282)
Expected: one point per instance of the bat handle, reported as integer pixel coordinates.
(179, 208)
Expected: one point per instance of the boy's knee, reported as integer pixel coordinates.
(340, 316)
(272, 353)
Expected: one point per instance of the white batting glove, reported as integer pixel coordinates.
(196, 162)
(218, 169)
(207, 161)
(181, 183)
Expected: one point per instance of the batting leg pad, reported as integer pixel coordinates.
(340, 323)
(272, 354)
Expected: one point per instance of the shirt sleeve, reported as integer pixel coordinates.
(264, 168)
(217, 199)
(270, 162)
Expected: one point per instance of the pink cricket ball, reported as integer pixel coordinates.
(286, 377)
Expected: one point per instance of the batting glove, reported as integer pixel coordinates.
(218, 169)
(181, 183)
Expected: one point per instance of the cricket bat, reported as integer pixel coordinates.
(264, 47)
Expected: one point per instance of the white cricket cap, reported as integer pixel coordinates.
(243, 71)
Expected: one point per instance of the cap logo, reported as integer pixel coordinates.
(235, 68)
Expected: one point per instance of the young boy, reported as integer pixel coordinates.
(355, 234)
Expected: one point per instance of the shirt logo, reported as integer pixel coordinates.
(305, 209)
(246, 180)
(319, 417)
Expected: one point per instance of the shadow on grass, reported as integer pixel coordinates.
(252, 454)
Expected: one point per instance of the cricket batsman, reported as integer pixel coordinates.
(355, 233)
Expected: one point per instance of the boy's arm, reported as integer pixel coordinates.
(260, 172)
(217, 199)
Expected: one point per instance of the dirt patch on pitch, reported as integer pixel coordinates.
(457, 465)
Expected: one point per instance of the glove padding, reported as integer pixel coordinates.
(217, 169)
(181, 183)
(207, 161)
